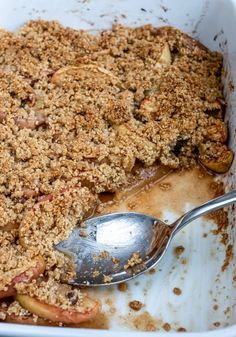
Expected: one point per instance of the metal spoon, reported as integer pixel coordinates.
(115, 241)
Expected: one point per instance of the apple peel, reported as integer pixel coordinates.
(57, 314)
(25, 277)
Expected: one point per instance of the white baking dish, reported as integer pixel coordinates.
(214, 23)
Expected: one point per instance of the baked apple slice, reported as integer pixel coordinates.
(165, 57)
(11, 225)
(23, 319)
(57, 314)
(58, 76)
(31, 123)
(220, 163)
(25, 277)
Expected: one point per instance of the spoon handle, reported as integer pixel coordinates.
(212, 205)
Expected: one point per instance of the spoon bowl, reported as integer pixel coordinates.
(116, 247)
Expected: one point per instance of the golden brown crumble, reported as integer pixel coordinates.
(178, 250)
(96, 273)
(107, 278)
(135, 305)
(145, 322)
(166, 327)
(103, 255)
(123, 287)
(216, 324)
(78, 112)
(215, 307)
(115, 260)
(177, 291)
(165, 186)
(229, 254)
(134, 260)
(16, 309)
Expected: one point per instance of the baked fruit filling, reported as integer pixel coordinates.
(80, 115)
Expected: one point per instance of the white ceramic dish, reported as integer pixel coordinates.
(214, 23)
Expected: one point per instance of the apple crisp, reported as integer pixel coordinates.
(78, 113)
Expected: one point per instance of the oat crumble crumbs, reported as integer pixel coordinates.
(96, 273)
(178, 250)
(115, 260)
(103, 255)
(166, 327)
(123, 287)
(78, 112)
(177, 291)
(136, 305)
(165, 186)
(107, 278)
(134, 260)
(216, 324)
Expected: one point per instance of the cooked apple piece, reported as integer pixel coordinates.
(57, 78)
(57, 314)
(165, 57)
(25, 277)
(59, 74)
(18, 318)
(217, 132)
(10, 226)
(148, 107)
(11, 291)
(46, 197)
(29, 193)
(3, 115)
(128, 161)
(220, 164)
(31, 123)
(29, 320)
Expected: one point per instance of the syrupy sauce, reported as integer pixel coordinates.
(101, 321)
(162, 189)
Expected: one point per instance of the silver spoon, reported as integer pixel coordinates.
(104, 255)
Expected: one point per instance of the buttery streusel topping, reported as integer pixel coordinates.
(77, 112)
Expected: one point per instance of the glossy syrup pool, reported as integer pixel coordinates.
(189, 280)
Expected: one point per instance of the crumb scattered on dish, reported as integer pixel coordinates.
(136, 305)
(123, 287)
(177, 291)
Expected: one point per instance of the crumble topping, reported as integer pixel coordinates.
(77, 113)
(107, 278)
(123, 287)
(177, 291)
(51, 292)
(134, 260)
(136, 305)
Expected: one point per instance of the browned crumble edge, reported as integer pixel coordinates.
(77, 113)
